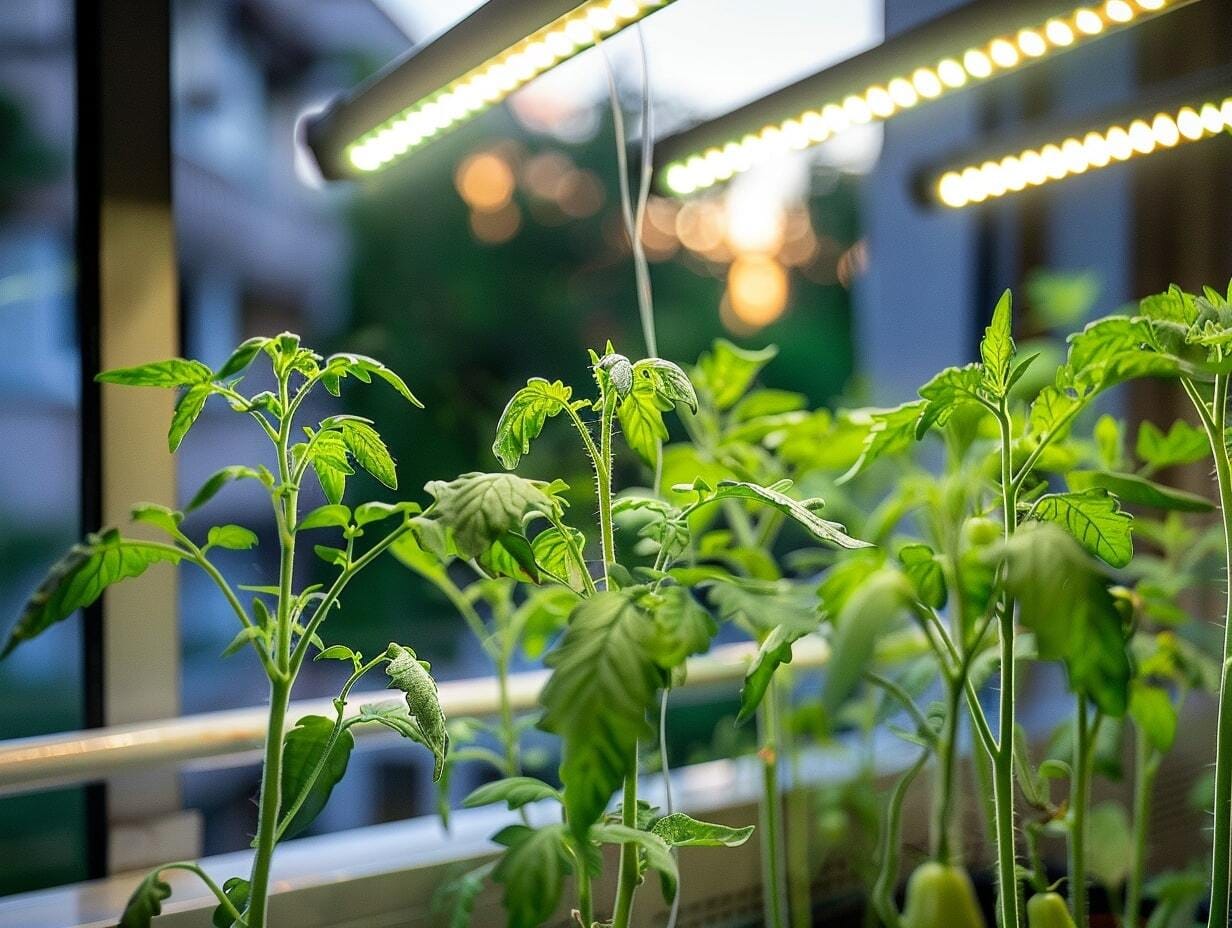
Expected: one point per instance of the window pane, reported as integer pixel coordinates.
(42, 835)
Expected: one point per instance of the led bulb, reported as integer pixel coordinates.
(992, 178)
(951, 73)
(1088, 22)
(1075, 156)
(835, 117)
(1003, 53)
(1059, 33)
(951, 190)
(1163, 127)
(903, 93)
(1190, 124)
(1141, 138)
(1054, 161)
(1212, 119)
(815, 126)
(1031, 43)
(879, 101)
(1013, 172)
(1118, 11)
(856, 109)
(1151, 5)
(1033, 167)
(926, 83)
(973, 185)
(1119, 144)
(1097, 149)
(977, 63)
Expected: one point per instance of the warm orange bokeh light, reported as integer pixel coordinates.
(485, 182)
(757, 289)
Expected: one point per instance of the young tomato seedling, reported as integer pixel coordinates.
(282, 625)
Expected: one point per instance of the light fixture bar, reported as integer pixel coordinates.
(1199, 117)
(976, 42)
(430, 90)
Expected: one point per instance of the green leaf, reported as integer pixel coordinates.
(1151, 708)
(362, 367)
(480, 508)
(641, 420)
(997, 347)
(410, 675)
(242, 637)
(655, 853)
(237, 890)
(679, 830)
(241, 357)
(532, 871)
(175, 372)
(1051, 413)
(1139, 491)
(760, 606)
(337, 652)
(367, 513)
(1184, 444)
(668, 381)
(803, 513)
(1095, 518)
(302, 750)
(553, 551)
(218, 480)
(331, 515)
(397, 718)
(1112, 350)
(681, 628)
(370, 452)
(146, 901)
(234, 537)
(514, 791)
(80, 577)
(949, 390)
(603, 680)
(1065, 601)
(161, 517)
(329, 461)
(775, 650)
(889, 431)
(922, 568)
(1110, 844)
(524, 417)
(186, 412)
(511, 555)
(726, 371)
(335, 556)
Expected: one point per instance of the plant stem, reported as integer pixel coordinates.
(772, 809)
(271, 798)
(1146, 765)
(1080, 795)
(626, 881)
(944, 807)
(603, 476)
(1221, 853)
(1003, 759)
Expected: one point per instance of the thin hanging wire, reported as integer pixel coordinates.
(634, 221)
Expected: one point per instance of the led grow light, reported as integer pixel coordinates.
(972, 44)
(1077, 154)
(423, 95)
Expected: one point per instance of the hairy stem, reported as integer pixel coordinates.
(1146, 766)
(603, 477)
(1214, 420)
(887, 878)
(271, 798)
(1003, 759)
(943, 805)
(626, 880)
(1080, 796)
(772, 809)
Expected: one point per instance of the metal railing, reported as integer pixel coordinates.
(74, 758)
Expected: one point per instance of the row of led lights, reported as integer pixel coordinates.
(1035, 167)
(880, 102)
(496, 79)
